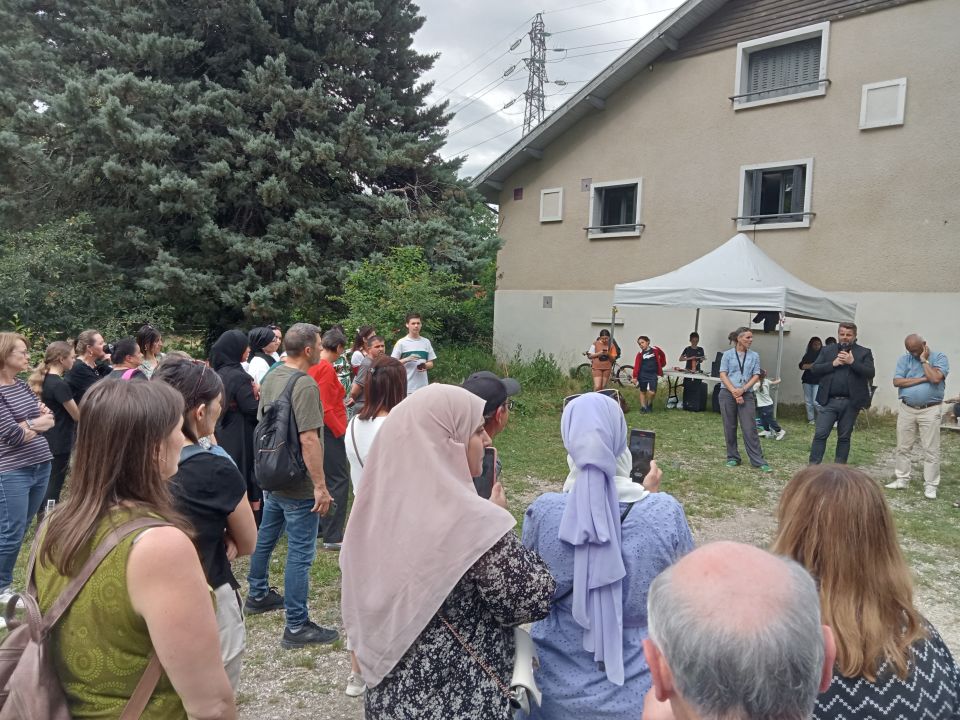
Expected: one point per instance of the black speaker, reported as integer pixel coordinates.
(694, 395)
(715, 366)
(715, 401)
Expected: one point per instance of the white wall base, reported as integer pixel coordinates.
(565, 330)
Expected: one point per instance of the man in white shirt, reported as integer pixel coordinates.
(416, 353)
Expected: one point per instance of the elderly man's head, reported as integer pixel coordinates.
(735, 634)
(914, 344)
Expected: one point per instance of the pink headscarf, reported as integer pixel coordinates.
(416, 527)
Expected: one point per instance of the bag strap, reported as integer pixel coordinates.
(472, 653)
(353, 437)
(128, 374)
(73, 588)
(144, 691)
(190, 450)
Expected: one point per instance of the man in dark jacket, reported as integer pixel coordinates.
(844, 370)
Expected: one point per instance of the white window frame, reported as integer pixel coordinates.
(788, 37)
(743, 224)
(552, 218)
(901, 103)
(598, 235)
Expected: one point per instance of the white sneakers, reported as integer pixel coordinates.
(355, 686)
(929, 491)
(781, 434)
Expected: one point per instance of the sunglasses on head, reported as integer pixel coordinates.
(609, 392)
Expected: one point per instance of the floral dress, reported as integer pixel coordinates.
(437, 679)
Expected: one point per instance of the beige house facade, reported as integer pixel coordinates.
(829, 135)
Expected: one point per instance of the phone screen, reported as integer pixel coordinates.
(484, 483)
(641, 449)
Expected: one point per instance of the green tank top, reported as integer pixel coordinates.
(101, 646)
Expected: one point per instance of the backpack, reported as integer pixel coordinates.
(29, 686)
(277, 458)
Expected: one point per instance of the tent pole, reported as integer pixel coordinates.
(696, 322)
(776, 388)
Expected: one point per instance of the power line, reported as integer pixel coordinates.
(452, 90)
(609, 22)
(503, 39)
(581, 47)
(477, 122)
(597, 52)
(574, 7)
(484, 142)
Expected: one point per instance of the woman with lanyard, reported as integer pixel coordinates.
(739, 373)
(620, 535)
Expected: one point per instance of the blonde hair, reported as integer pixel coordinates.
(8, 342)
(835, 522)
(85, 340)
(56, 351)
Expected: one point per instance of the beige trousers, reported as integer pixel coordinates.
(233, 634)
(922, 425)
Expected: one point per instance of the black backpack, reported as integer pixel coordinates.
(277, 458)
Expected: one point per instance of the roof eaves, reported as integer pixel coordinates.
(593, 96)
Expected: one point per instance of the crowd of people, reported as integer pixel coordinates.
(161, 458)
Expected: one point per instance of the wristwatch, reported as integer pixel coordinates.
(29, 424)
(924, 361)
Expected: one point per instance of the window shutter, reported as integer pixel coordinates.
(775, 71)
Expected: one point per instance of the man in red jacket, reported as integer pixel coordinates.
(335, 465)
(647, 368)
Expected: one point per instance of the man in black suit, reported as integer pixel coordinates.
(844, 370)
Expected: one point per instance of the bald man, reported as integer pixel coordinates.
(920, 379)
(735, 632)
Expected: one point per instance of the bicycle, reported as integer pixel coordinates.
(620, 374)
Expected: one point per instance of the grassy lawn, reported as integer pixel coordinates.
(690, 450)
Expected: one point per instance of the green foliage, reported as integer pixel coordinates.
(382, 290)
(242, 158)
(56, 284)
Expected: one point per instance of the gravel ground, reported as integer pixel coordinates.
(282, 684)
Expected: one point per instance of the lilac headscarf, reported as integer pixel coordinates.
(595, 433)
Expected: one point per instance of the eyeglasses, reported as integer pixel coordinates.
(25, 353)
(509, 404)
(609, 392)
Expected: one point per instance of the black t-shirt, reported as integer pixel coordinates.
(118, 374)
(54, 394)
(206, 489)
(81, 376)
(693, 352)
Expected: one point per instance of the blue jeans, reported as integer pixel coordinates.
(301, 525)
(21, 492)
(810, 400)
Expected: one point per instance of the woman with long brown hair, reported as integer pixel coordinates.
(149, 595)
(48, 383)
(891, 662)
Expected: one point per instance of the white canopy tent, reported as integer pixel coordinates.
(738, 275)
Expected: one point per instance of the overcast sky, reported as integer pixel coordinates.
(474, 39)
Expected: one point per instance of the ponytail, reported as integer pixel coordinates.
(56, 351)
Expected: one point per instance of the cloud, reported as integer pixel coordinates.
(473, 71)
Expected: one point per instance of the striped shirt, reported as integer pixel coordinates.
(17, 403)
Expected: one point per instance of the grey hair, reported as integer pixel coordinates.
(299, 337)
(770, 672)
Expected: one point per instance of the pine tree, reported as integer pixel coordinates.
(238, 157)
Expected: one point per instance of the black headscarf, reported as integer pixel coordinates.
(259, 338)
(228, 349)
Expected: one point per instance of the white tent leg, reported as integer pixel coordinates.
(776, 388)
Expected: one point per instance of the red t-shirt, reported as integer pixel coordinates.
(331, 397)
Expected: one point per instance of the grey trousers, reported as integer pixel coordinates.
(337, 470)
(746, 413)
